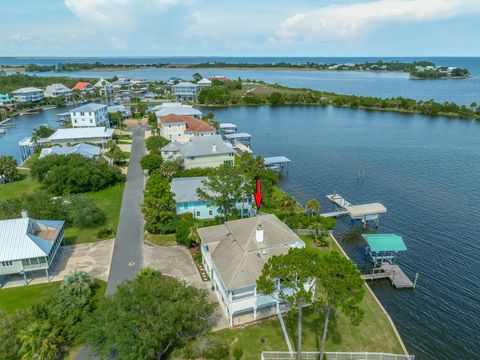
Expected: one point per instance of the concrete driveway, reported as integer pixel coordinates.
(93, 258)
(174, 261)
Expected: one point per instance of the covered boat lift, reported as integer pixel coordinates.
(382, 251)
(227, 128)
(239, 138)
(383, 247)
(276, 163)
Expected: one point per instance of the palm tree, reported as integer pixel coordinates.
(287, 205)
(312, 206)
(39, 342)
(77, 283)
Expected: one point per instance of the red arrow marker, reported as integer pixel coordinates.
(258, 194)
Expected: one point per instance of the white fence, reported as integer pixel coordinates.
(284, 355)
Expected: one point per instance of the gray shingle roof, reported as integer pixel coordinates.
(200, 146)
(235, 252)
(18, 240)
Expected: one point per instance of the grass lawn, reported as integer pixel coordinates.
(110, 201)
(14, 189)
(161, 239)
(23, 297)
(374, 334)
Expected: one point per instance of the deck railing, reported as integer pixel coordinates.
(315, 355)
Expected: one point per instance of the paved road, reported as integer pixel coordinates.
(127, 252)
(127, 255)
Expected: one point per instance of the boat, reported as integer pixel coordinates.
(49, 107)
(2, 131)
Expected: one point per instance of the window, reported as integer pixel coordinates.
(91, 121)
(7, 263)
(198, 213)
(210, 212)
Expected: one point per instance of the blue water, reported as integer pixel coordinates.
(425, 171)
(464, 91)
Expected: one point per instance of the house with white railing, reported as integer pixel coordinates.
(28, 245)
(234, 254)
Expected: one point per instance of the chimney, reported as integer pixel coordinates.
(24, 214)
(214, 147)
(259, 234)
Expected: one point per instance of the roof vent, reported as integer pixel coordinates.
(259, 234)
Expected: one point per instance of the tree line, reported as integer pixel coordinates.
(221, 94)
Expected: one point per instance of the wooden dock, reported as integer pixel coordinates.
(393, 272)
(335, 214)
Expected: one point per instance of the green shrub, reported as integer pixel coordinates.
(105, 233)
(207, 347)
(72, 174)
(237, 353)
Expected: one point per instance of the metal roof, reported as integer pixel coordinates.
(235, 252)
(227, 126)
(26, 90)
(275, 160)
(238, 136)
(385, 242)
(185, 83)
(366, 209)
(18, 240)
(86, 150)
(81, 133)
(91, 107)
(185, 189)
(178, 110)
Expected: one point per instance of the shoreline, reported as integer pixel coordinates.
(382, 308)
(390, 320)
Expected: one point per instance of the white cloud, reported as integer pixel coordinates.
(340, 22)
(20, 37)
(117, 13)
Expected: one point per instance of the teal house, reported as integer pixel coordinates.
(6, 100)
(186, 199)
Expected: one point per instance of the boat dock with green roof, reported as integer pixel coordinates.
(382, 251)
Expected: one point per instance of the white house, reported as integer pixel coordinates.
(234, 254)
(28, 95)
(183, 128)
(104, 87)
(90, 115)
(58, 90)
(187, 200)
(122, 109)
(203, 84)
(122, 83)
(185, 91)
(71, 136)
(200, 152)
(28, 245)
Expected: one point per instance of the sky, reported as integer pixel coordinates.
(240, 28)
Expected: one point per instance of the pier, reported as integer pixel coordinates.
(393, 272)
(362, 212)
(382, 251)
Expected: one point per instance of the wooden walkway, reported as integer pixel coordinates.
(393, 272)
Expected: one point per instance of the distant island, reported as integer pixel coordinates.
(418, 70)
